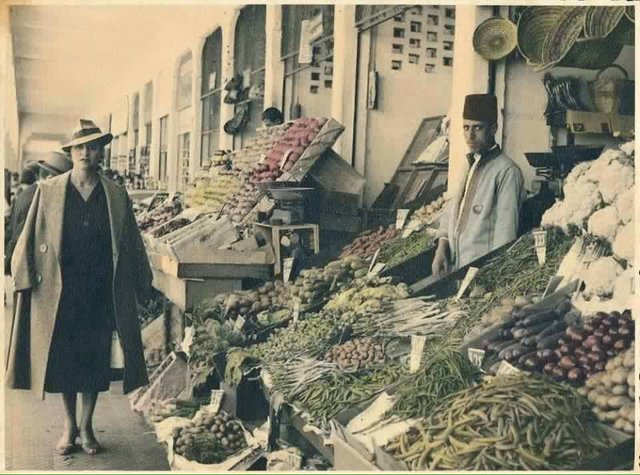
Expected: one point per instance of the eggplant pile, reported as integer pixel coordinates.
(531, 330)
(584, 351)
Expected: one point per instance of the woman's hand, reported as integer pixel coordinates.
(440, 265)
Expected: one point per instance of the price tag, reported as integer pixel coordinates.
(216, 400)
(417, 348)
(246, 78)
(239, 323)
(373, 260)
(471, 274)
(333, 284)
(476, 356)
(377, 269)
(287, 267)
(506, 369)
(296, 310)
(185, 346)
(540, 243)
(411, 228)
(401, 218)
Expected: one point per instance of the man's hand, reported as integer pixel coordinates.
(440, 265)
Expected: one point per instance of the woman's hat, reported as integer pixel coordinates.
(87, 132)
(56, 163)
(495, 38)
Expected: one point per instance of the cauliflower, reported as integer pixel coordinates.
(575, 209)
(600, 166)
(623, 288)
(625, 205)
(577, 172)
(628, 149)
(623, 246)
(604, 223)
(618, 177)
(600, 276)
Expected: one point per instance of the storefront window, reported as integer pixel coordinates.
(162, 168)
(210, 91)
(184, 82)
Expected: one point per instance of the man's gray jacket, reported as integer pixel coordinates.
(486, 216)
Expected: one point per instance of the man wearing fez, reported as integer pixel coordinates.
(483, 215)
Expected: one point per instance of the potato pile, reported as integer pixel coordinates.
(159, 215)
(356, 354)
(368, 242)
(583, 352)
(290, 146)
(255, 301)
(612, 392)
(209, 438)
(428, 212)
(313, 284)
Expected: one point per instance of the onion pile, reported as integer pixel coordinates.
(356, 354)
(368, 242)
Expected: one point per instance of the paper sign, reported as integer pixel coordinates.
(377, 269)
(417, 347)
(471, 274)
(401, 218)
(505, 369)
(476, 356)
(185, 346)
(296, 311)
(373, 260)
(246, 78)
(212, 81)
(287, 267)
(305, 54)
(333, 284)
(216, 400)
(239, 323)
(540, 243)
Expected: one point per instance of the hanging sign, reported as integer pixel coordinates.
(310, 30)
(417, 348)
(471, 274)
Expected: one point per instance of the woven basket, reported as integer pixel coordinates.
(624, 32)
(599, 22)
(594, 55)
(630, 13)
(563, 36)
(534, 26)
(495, 38)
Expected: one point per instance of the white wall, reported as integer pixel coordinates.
(525, 128)
(9, 107)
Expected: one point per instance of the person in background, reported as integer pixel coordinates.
(82, 263)
(272, 116)
(28, 177)
(54, 163)
(483, 215)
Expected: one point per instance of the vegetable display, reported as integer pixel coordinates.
(209, 438)
(583, 351)
(430, 212)
(161, 410)
(368, 242)
(397, 251)
(612, 392)
(444, 372)
(504, 423)
(153, 308)
(357, 354)
(160, 215)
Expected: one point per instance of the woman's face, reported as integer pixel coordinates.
(86, 156)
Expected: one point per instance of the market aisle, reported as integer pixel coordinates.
(32, 428)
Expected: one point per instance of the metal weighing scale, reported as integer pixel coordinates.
(290, 205)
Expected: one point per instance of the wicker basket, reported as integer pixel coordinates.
(599, 22)
(563, 35)
(495, 38)
(534, 26)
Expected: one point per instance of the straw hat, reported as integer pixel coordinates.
(56, 163)
(87, 132)
(495, 38)
(563, 35)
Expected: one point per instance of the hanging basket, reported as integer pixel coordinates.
(495, 38)
(607, 90)
(534, 26)
(594, 55)
(624, 32)
(630, 13)
(599, 22)
(563, 35)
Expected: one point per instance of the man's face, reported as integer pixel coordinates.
(478, 135)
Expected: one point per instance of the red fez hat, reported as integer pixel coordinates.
(481, 107)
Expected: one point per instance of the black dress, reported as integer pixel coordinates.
(80, 353)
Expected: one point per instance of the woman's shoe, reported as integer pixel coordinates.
(90, 445)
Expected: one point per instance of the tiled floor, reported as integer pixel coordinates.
(33, 426)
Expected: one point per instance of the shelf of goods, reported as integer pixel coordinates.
(528, 365)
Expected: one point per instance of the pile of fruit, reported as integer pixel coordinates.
(612, 392)
(288, 149)
(241, 203)
(357, 354)
(368, 242)
(270, 294)
(161, 410)
(429, 212)
(209, 438)
(582, 352)
(171, 226)
(160, 215)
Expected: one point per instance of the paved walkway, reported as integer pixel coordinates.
(33, 427)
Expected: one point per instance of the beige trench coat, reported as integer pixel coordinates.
(36, 271)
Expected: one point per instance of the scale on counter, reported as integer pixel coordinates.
(290, 204)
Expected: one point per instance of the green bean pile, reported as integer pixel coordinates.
(326, 398)
(445, 372)
(399, 250)
(506, 423)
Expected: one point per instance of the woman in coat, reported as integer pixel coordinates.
(82, 263)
